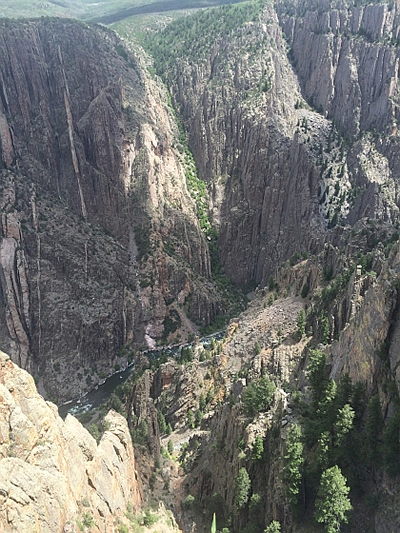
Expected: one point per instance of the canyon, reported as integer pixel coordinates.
(251, 147)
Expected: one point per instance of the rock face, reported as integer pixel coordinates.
(52, 473)
(237, 97)
(282, 169)
(347, 63)
(100, 240)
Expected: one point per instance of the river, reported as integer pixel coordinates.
(103, 391)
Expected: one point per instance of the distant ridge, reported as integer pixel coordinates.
(157, 7)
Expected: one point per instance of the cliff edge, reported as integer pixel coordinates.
(53, 474)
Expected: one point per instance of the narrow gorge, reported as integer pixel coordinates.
(244, 152)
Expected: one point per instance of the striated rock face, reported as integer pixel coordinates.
(52, 472)
(282, 170)
(238, 102)
(99, 238)
(347, 62)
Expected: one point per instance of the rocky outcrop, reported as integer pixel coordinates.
(53, 473)
(100, 240)
(346, 61)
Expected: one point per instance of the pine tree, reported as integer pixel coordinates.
(293, 468)
(373, 428)
(343, 424)
(161, 422)
(317, 376)
(170, 447)
(332, 502)
(391, 441)
(274, 527)
(301, 324)
(242, 488)
(258, 448)
(190, 419)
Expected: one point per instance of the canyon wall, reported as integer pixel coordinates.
(100, 241)
(292, 118)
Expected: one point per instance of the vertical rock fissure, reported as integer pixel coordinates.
(70, 123)
(35, 219)
(73, 153)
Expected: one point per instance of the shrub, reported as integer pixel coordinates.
(257, 397)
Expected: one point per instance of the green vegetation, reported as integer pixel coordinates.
(257, 396)
(149, 518)
(161, 422)
(301, 324)
(193, 36)
(274, 527)
(338, 442)
(170, 447)
(294, 461)
(87, 521)
(258, 448)
(332, 502)
(97, 429)
(242, 488)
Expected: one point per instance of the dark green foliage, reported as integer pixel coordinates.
(301, 323)
(190, 419)
(258, 448)
(317, 376)
(139, 432)
(116, 403)
(330, 292)
(257, 397)
(198, 418)
(87, 520)
(187, 355)
(171, 323)
(149, 518)
(296, 258)
(161, 422)
(193, 36)
(358, 403)
(344, 391)
(293, 463)
(274, 527)
(325, 329)
(373, 429)
(391, 439)
(332, 502)
(170, 447)
(98, 429)
(305, 290)
(202, 402)
(94, 431)
(272, 285)
(343, 424)
(242, 488)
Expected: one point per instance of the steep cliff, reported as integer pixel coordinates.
(347, 61)
(223, 424)
(292, 118)
(236, 92)
(101, 246)
(53, 475)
